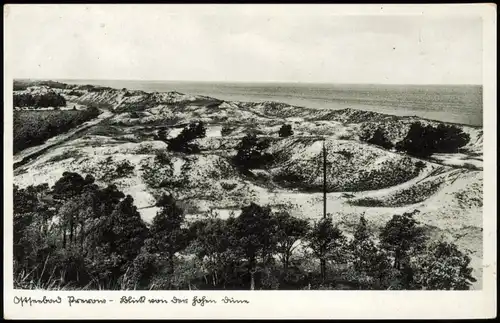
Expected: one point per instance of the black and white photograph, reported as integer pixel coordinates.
(245, 150)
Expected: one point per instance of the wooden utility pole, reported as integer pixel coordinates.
(324, 180)
(323, 260)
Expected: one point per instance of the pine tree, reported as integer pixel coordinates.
(251, 152)
(211, 242)
(254, 233)
(327, 241)
(443, 267)
(403, 237)
(167, 234)
(289, 231)
(367, 259)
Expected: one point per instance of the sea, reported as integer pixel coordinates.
(461, 104)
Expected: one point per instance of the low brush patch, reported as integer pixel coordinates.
(412, 195)
(75, 154)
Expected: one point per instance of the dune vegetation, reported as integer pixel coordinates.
(33, 128)
(176, 191)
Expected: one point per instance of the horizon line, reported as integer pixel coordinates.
(252, 82)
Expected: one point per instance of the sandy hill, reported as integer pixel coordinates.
(362, 178)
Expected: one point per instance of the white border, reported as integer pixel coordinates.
(286, 304)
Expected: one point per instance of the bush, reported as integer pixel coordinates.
(251, 152)
(420, 165)
(113, 171)
(159, 172)
(367, 202)
(75, 93)
(66, 155)
(124, 168)
(378, 138)
(228, 186)
(285, 130)
(424, 141)
(182, 143)
(226, 130)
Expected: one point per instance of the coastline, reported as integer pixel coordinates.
(334, 102)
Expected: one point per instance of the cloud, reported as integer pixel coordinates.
(238, 44)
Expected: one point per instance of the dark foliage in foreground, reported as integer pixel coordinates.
(78, 235)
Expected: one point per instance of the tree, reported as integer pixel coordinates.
(183, 142)
(251, 152)
(368, 260)
(71, 184)
(443, 267)
(128, 229)
(44, 100)
(102, 233)
(167, 234)
(289, 230)
(403, 237)
(254, 232)
(327, 241)
(67, 189)
(285, 130)
(424, 141)
(378, 138)
(211, 242)
(31, 218)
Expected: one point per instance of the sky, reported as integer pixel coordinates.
(242, 43)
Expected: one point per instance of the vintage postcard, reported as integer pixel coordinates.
(250, 161)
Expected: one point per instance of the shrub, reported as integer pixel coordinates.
(124, 168)
(112, 171)
(226, 130)
(285, 130)
(378, 138)
(65, 155)
(251, 152)
(182, 143)
(159, 172)
(367, 202)
(75, 93)
(420, 165)
(346, 154)
(228, 186)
